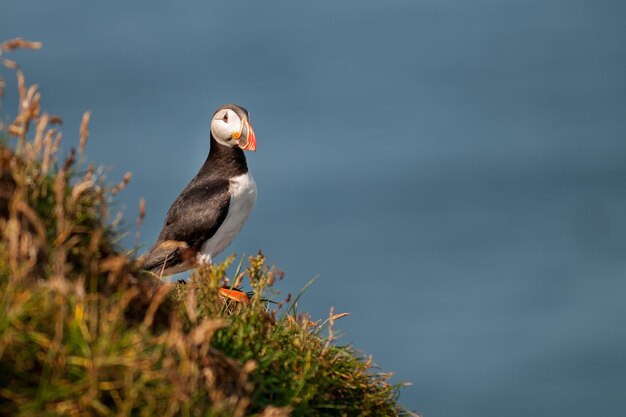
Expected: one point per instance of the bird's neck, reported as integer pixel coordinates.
(229, 160)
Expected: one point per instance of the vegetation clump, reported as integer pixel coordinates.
(83, 331)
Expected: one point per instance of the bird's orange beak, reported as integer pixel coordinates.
(248, 140)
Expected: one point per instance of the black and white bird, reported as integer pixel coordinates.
(211, 210)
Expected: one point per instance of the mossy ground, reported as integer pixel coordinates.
(83, 331)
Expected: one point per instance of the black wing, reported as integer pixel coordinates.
(194, 217)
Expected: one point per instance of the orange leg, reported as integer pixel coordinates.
(235, 295)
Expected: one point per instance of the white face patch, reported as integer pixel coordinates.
(224, 124)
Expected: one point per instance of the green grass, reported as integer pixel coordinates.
(85, 332)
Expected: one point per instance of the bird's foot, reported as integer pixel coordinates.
(235, 295)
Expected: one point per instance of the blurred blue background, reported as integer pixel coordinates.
(455, 172)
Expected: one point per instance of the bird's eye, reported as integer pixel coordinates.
(225, 118)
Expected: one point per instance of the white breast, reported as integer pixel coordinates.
(242, 198)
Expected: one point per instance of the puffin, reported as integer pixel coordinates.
(212, 209)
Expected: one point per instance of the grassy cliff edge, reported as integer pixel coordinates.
(83, 331)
